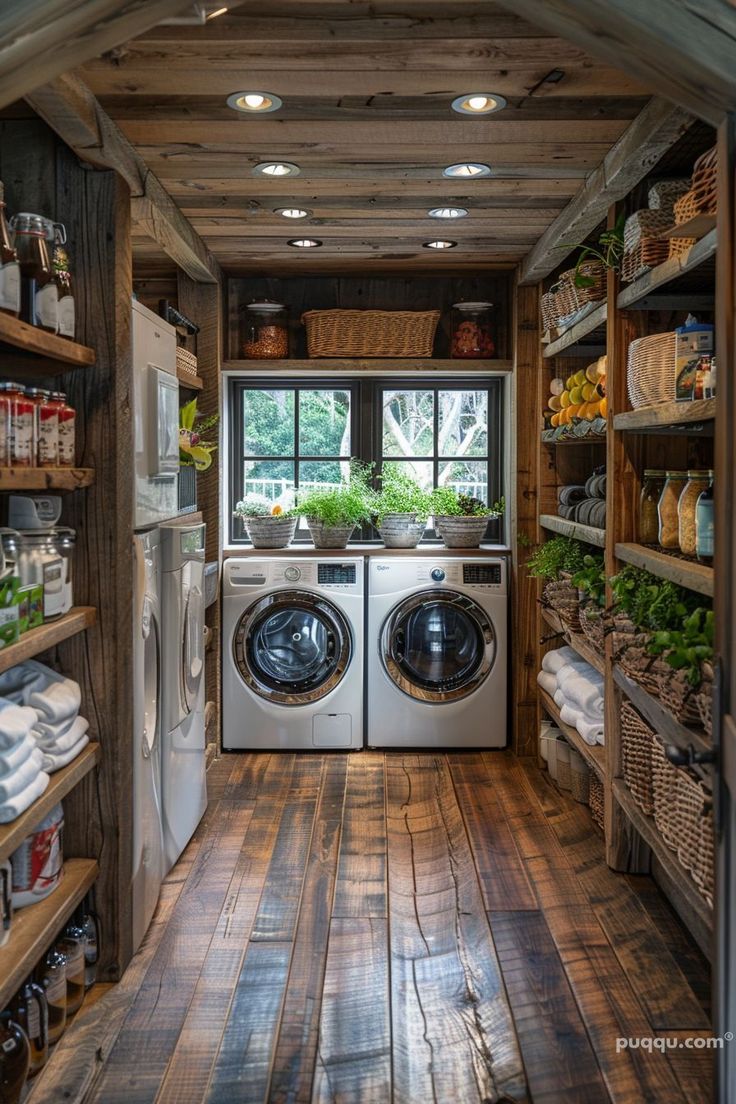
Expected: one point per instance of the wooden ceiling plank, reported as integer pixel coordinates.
(237, 189)
(528, 228)
(72, 111)
(324, 213)
(633, 157)
(684, 49)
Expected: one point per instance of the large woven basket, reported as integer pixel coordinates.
(663, 194)
(370, 333)
(549, 311)
(593, 625)
(678, 696)
(637, 740)
(685, 209)
(644, 247)
(631, 653)
(704, 698)
(664, 791)
(650, 374)
(561, 596)
(695, 843)
(705, 179)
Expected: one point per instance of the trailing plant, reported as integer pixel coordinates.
(194, 450)
(348, 504)
(446, 501)
(609, 251)
(687, 648)
(400, 494)
(555, 556)
(591, 578)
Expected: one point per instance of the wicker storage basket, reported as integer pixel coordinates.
(664, 790)
(685, 209)
(663, 194)
(596, 799)
(705, 177)
(548, 308)
(636, 749)
(650, 373)
(644, 247)
(695, 843)
(579, 778)
(574, 298)
(561, 596)
(704, 699)
(678, 696)
(593, 624)
(630, 652)
(370, 333)
(186, 362)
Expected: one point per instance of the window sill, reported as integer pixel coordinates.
(304, 549)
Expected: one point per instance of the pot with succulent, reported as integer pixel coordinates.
(333, 514)
(400, 509)
(267, 524)
(195, 451)
(462, 520)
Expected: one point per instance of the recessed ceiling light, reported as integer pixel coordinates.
(467, 169)
(292, 212)
(259, 102)
(439, 245)
(304, 243)
(478, 103)
(276, 168)
(448, 212)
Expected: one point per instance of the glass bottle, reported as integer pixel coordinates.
(21, 424)
(71, 945)
(9, 267)
(669, 521)
(67, 423)
(89, 924)
(651, 491)
(15, 1059)
(704, 530)
(64, 287)
(39, 293)
(472, 331)
(51, 975)
(30, 1011)
(697, 482)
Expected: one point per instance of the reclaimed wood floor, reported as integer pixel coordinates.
(399, 929)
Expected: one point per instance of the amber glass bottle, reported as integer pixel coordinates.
(39, 293)
(30, 1010)
(15, 1059)
(51, 974)
(71, 945)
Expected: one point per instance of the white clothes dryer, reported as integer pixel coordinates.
(148, 840)
(292, 677)
(183, 735)
(437, 652)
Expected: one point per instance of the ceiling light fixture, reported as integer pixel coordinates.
(439, 245)
(292, 212)
(478, 103)
(260, 102)
(448, 212)
(276, 168)
(468, 170)
(304, 243)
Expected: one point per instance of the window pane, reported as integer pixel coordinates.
(421, 470)
(408, 423)
(324, 423)
(268, 423)
(468, 477)
(322, 474)
(272, 478)
(463, 423)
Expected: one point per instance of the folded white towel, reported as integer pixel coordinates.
(44, 731)
(547, 681)
(11, 784)
(560, 698)
(18, 804)
(15, 723)
(571, 671)
(585, 693)
(67, 740)
(570, 715)
(54, 696)
(552, 661)
(591, 731)
(12, 759)
(18, 683)
(55, 761)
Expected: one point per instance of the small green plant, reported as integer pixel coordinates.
(447, 502)
(555, 556)
(253, 505)
(686, 649)
(348, 504)
(194, 450)
(653, 604)
(591, 579)
(400, 494)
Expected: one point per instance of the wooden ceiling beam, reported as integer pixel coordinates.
(633, 157)
(70, 109)
(683, 49)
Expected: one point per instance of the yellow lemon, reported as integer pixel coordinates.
(565, 399)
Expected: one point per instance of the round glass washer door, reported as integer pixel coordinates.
(292, 647)
(438, 646)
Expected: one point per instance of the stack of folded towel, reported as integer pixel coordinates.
(22, 777)
(577, 689)
(53, 700)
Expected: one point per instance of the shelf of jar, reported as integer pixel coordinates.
(587, 533)
(35, 927)
(593, 323)
(45, 479)
(44, 353)
(577, 642)
(366, 365)
(62, 782)
(686, 573)
(594, 756)
(47, 636)
(659, 418)
(668, 272)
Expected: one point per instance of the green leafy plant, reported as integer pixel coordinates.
(400, 494)
(446, 501)
(194, 450)
(687, 648)
(652, 604)
(348, 504)
(591, 579)
(555, 556)
(609, 250)
(253, 505)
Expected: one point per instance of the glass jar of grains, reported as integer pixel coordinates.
(697, 482)
(651, 491)
(266, 334)
(669, 521)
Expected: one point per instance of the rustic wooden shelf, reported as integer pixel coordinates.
(575, 640)
(193, 383)
(595, 757)
(592, 439)
(663, 723)
(346, 365)
(35, 926)
(47, 636)
(56, 354)
(45, 479)
(592, 322)
(696, 227)
(671, 270)
(62, 782)
(686, 573)
(683, 892)
(587, 533)
(668, 414)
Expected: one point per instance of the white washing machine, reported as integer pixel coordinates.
(292, 675)
(182, 649)
(437, 652)
(148, 839)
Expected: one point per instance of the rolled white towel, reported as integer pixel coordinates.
(547, 681)
(571, 671)
(10, 760)
(18, 683)
(54, 762)
(18, 804)
(560, 698)
(15, 723)
(68, 738)
(44, 731)
(552, 661)
(591, 731)
(11, 784)
(586, 694)
(570, 715)
(57, 698)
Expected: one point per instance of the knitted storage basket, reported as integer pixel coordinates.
(370, 333)
(637, 740)
(650, 374)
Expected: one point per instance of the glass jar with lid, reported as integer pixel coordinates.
(669, 520)
(651, 492)
(472, 331)
(697, 482)
(704, 526)
(20, 444)
(266, 331)
(39, 292)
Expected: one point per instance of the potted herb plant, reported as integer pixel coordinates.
(400, 509)
(267, 524)
(461, 520)
(333, 514)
